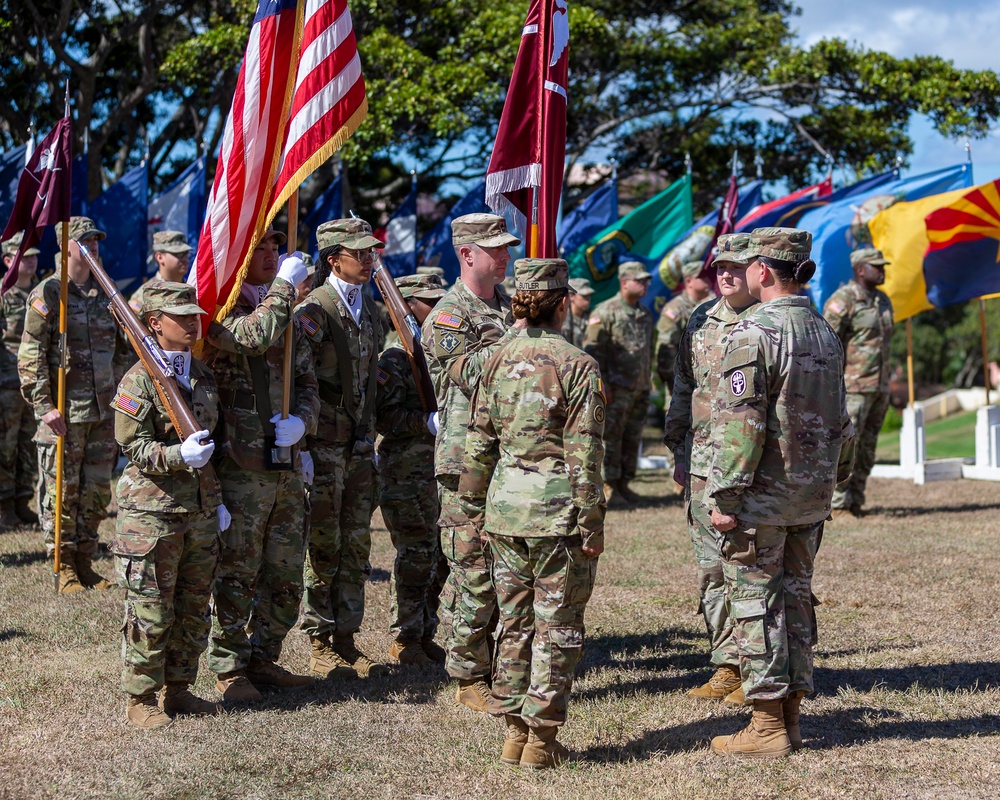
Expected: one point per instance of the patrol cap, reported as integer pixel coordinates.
(541, 274)
(783, 244)
(486, 230)
(11, 245)
(422, 287)
(169, 296)
(170, 242)
(80, 228)
(732, 249)
(633, 270)
(581, 286)
(355, 234)
(868, 255)
(272, 233)
(310, 264)
(692, 269)
(426, 270)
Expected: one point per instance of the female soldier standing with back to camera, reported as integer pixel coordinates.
(533, 483)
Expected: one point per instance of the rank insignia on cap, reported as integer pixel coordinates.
(447, 320)
(381, 376)
(130, 405)
(309, 324)
(39, 305)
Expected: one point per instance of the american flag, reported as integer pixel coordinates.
(299, 96)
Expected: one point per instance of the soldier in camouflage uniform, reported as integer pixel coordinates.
(95, 361)
(620, 337)
(781, 438)
(574, 329)
(687, 432)
(861, 315)
(408, 491)
(674, 319)
(166, 538)
(533, 482)
(18, 461)
(467, 324)
(172, 255)
(343, 329)
(259, 583)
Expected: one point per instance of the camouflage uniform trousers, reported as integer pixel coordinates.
(88, 458)
(543, 584)
(259, 582)
(867, 412)
(167, 574)
(410, 511)
(768, 578)
(474, 600)
(707, 542)
(340, 540)
(623, 423)
(18, 459)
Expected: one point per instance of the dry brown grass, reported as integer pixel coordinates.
(908, 684)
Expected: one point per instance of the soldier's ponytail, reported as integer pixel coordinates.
(538, 307)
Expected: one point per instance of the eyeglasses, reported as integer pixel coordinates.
(367, 256)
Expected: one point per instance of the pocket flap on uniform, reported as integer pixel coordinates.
(566, 637)
(739, 357)
(131, 543)
(747, 607)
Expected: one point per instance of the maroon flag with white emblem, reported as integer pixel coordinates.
(43, 193)
(526, 167)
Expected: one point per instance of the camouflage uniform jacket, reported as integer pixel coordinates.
(687, 429)
(619, 337)
(250, 330)
(336, 425)
(574, 329)
(97, 355)
(12, 307)
(669, 329)
(458, 336)
(780, 423)
(156, 477)
(863, 321)
(536, 444)
(407, 446)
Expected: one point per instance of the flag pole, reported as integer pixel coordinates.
(909, 359)
(534, 250)
(61, 390)
(286, 367)
(986, 361)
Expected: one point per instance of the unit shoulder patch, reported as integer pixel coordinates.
(449, 342)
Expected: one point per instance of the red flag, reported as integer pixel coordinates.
(725, 223)
(43, 193)
(530, 148)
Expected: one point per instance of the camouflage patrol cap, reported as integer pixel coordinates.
(633, 270)
(692, 269)
(486, 230)
(310, 264)
(732, 249)
(80, 228)
(868, 255)
(581, 286)
(355, 234)
(423, 287)
(11, 245)
(426, 270)
(174, 298)
(170, 242)
(541, 274)
(783, 244)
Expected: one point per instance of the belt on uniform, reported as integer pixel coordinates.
(237, 398)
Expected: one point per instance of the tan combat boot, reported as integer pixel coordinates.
(409, 653)
(434, 651)
(764, 737)
(236, 688)
(736, 698)
(69, 581)
(474, 693)
(365, 667)
(86, 574)
(542, 751)
(267, 673)
(791, 711)
(177, 699)
(514, 741)
(725, 681)
(24, 512)
(326, 663)
(142, 711)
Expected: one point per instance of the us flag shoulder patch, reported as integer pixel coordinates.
(39, 305)
(309, 324)
(381, 376)
(446, 320)
(128, 404)
(593, 320)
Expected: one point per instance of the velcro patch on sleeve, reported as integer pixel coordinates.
(381, 376)
(130, 405)
(670, 312)
(446, 320)
(593, 320)
(40, 306)
(309, 325)
(835, 307)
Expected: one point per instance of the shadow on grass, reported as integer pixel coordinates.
(12, 633)
(972, 676)
(22, 559)
(911, 511)
(379, 575)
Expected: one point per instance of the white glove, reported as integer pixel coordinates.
(225, 518)
(194, 453)
(292, 269)
(308, 468)
(287, 431)
(432, 423)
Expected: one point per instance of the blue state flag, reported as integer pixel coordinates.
(11, 166)
(589, 218)
(80, 189)
(841, 226)
(435, 249)
(400, 252)
(329, 205)
(120, 211)
(180, 207)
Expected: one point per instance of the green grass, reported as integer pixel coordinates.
(951, 437)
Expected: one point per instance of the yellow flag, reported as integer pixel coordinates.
(900, 233)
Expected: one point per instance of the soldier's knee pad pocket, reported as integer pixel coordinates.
(749, 608)
(567, 645)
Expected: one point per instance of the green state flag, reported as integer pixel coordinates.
(646, 234)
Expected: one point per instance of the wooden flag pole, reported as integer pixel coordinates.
(909, 359)
(61, 402)
(286, 367)
(986, 360)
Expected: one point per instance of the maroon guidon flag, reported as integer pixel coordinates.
(530, 148)
(726, 221)
(43, 193)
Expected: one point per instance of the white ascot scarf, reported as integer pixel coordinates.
(180, 361)
(255, 294)
(350, 293)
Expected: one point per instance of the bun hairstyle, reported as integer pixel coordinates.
(538, 307)
(790, 271)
